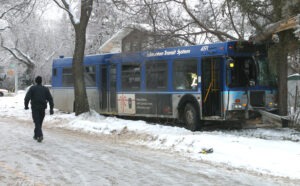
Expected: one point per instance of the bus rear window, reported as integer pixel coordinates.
(54, 72)
(67, 77)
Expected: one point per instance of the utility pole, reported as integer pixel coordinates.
(16, 78)
(14, 67)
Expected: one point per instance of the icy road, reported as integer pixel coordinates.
(68, 157)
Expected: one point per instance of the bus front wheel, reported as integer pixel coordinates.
(190, 117)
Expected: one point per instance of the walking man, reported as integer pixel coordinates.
(39, 96)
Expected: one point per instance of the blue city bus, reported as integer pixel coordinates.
(191, 84)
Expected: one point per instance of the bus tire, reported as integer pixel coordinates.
(190, 117)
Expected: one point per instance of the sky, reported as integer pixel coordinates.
(52, 12)
(273, 152)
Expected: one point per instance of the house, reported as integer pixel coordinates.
(136, 37)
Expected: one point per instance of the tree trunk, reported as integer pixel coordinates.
(81, 104)
(278, 56)
(279, 61)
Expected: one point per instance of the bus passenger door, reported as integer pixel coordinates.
(103, 89)
(108, 88)
(112, 88)
(211, 86)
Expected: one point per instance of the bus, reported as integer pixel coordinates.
(191, 84)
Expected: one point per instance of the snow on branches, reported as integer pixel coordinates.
(297, 31)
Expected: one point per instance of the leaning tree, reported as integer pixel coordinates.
(272, 19)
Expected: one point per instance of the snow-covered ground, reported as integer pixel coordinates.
(274, 152)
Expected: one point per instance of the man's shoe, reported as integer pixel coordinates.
(34, 137)
(40, 139)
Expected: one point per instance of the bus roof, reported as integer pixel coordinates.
(88, 60)
(241, 48)
(214, 49)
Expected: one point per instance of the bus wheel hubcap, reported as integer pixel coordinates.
(189, 117)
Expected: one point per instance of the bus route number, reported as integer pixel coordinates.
(204, 48)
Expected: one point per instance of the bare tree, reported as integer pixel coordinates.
(80, 25)
(192, 22)
(18, 11)
(20, 56)
(31, 42)
(104, 22)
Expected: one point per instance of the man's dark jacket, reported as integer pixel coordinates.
(39, 95)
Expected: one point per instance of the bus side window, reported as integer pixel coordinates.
(185, 74)
(90, 76)
(131, 76)
(156, 75)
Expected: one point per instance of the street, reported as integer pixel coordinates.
(74, 158)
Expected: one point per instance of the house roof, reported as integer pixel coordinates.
(114, 44)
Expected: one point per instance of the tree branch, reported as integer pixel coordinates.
(7, 27)
(279, 26)
(66, 7)
(27, 61)
(217, 33)
(19, 8)
(231, 20)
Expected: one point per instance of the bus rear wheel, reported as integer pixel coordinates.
(191, 117)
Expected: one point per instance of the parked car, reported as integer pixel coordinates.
(3, 92)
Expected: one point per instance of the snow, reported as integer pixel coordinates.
(268, 151)
(73, 9)
(3, 24)
(297, 29)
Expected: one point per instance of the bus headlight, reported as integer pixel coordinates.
(237, 106)
(272, 105)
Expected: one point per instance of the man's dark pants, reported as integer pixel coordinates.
(38, 118)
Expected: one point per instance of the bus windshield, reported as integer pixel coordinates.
(241, 72)
(246, 71)
(265, 77)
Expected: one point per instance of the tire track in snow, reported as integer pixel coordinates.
(19, 174)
